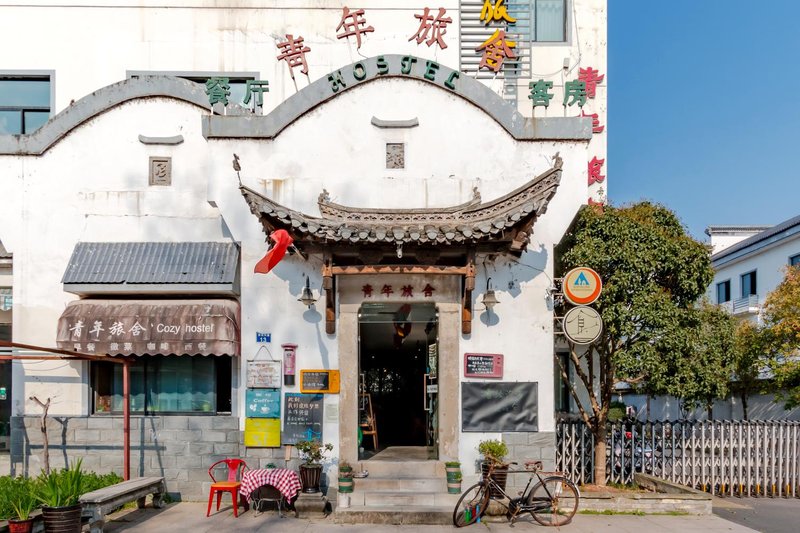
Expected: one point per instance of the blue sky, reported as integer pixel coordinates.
(704, 108)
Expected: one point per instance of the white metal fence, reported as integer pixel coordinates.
(746, 458)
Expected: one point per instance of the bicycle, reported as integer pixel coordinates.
(553, 501)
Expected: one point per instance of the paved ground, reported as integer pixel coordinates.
(190, 517)
(762, 514)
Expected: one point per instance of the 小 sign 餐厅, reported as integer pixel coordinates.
(483, 365)
(319, 381)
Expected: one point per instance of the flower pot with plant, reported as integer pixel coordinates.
(58, 492)
(346, 483)
(22, 502)
(454, 477)
(312, 453)
(494, 453)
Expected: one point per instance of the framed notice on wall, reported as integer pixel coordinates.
(319, 381)
(263, 374)
(262, 432)
(483, 365)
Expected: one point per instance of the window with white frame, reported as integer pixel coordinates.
(25, 102)
(549, 21)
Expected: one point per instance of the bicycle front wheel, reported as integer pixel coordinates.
(471, 505)
(553, 501)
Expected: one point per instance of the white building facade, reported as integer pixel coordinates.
(412, 182)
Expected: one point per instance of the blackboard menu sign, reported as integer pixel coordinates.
(321, 381)
(499, 406)
(483, 365)
(302, 417)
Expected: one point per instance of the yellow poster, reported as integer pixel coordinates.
(262, 432)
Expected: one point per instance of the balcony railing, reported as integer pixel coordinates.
(748, 304)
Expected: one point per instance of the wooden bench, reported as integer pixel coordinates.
(97, 504)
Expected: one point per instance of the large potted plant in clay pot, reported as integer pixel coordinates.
(59, 492)
(494, 453)
(312, 452)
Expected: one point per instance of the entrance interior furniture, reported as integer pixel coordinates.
(236, 468)
(367, 422)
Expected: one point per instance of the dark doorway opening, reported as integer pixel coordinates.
(398, 370)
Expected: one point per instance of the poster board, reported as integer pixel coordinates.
(499, 406)
(263, 374)
(319, 381)
(302, 417)
(263, 403)
(262, 432)
(483, 365)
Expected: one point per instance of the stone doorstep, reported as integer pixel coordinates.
(395, 514)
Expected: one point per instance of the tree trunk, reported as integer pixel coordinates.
(600, 454)
(710, 412)
(744, 405)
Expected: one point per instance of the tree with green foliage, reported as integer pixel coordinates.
(781, 336)
(653, 273)
(749, 350)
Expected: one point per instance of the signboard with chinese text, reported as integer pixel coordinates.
(302, 417)
(582, 286)
(262, 432)
(321, 381)
(154, 327)
(263, 403)
(264, 374)
(483, 365)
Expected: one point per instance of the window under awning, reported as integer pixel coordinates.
(151, 327)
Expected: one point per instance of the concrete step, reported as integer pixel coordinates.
(393, 514)
(416, 484)
(402, 469)
(403, 498)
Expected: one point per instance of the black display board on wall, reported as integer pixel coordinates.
(302, 418)
(499, 406)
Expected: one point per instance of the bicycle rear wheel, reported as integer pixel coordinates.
(471, 505)
(554, 500)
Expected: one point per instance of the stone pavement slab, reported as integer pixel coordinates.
(191, 517)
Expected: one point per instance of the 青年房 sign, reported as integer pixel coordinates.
(483, 365)
(319, 381)
(582, 325)
(582, 286)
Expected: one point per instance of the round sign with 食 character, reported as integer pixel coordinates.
(582, 286)
(582, 325)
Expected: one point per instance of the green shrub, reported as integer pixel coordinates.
(6, 489)
(493, 451)
(93, 481)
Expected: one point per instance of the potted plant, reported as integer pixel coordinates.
(22, 501)
(58, 492)
(346, 483)
(453, 471)
(494, 453)
(312, 452)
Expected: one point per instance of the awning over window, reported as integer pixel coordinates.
(154, 327)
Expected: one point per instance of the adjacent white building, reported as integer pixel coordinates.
(412, 181)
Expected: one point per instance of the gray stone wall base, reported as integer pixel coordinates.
(179, 448)
(533, 446)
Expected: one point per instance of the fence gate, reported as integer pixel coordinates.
(746, 458)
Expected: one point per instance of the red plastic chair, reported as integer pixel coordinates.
(235, 469)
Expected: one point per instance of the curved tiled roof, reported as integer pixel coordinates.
(507, 218)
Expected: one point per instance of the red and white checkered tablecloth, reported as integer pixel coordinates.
(286, 481)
